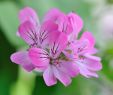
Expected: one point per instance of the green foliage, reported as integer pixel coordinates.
(8, 71)
(110, 1)
(9, 22)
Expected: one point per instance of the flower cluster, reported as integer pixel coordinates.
(54, 47)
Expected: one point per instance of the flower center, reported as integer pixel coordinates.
(54, 61)
(58, 60)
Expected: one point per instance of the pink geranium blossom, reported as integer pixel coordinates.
(54, 48)
(33, 34)
(83, 55)
(55, 66)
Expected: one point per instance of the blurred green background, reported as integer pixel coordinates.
(98, 18)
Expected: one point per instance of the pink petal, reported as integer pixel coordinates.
(76, 23)
(58, 42)
(49, 77)
(61, 76)
(79, 47)
(49, 26)
(39, 57)
(28, 14)
(96, 58)
(93, 64)
(60, 19)
(46, 28)
(86, 72)
(53, 14)
(28, 33)
(70, 68)
(89, 37)
(64, 25)
(93, 74)
(88, 66)
(91, 51)
(22, 59)
(83, 46)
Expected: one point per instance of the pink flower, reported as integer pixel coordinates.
(71, 23)
(33, 35)
(54, 48)
(46, 45)
(82, 53)
(55, 66)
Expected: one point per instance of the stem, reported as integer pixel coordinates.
(24, 84)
